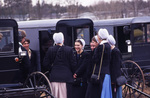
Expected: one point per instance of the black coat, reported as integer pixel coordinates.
(105, 69)
(90, 65)
(82, 64)
(115, 70)
(115, 65)
(94, 90)
(34, 61)
(24, 65)
(79, 90)
(62, 66)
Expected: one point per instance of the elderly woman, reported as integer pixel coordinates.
(100, 84)
(115, 67)
(80, 85)
(60, 59)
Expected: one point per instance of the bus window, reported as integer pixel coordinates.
(84, 33)
(148, 32)
(139, 35)
(7, 42)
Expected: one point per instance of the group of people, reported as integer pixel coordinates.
(81, 74)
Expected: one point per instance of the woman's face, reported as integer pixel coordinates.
(26, 45)
(92, 46)
(95, 44)
(78, 47)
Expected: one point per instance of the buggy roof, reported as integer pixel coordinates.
(38, 23)
(51, 23)
(122, 21)
(8, 23)
(74, 22)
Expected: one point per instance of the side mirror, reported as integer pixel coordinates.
(126, 30)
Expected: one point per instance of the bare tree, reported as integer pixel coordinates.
(72, 8)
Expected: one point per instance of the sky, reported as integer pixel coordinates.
(83, 2)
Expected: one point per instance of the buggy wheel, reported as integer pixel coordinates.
(135, 78)
(41, 85)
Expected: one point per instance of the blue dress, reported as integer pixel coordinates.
(106, 90)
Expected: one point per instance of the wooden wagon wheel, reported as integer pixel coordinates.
(135, 78)
(39, 80)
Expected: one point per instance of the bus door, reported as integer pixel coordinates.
(141, 46)
(75, 29)
(9, 68)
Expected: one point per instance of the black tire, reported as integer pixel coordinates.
(39, 80)
(135, 78)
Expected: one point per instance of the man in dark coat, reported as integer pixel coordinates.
(25, 62)
(33, 56)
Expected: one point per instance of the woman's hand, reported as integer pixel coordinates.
(75, 75)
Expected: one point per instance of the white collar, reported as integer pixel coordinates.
(20, 43)
(103, 41)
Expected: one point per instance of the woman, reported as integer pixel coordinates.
(94, 43)
(101, 57)
(60, 59)
(115, 66)
(80, 85)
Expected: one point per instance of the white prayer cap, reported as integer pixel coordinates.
(96, 38)
(103, 33)
(58, 38)
(83, 42)
(111, 40)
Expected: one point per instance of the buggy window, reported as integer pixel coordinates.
(139, 35)
(148, 32)
(84, 33)
(6, 40)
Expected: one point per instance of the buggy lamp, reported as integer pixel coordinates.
(16, 59)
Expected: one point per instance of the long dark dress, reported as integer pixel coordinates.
(115, 70)
(94, 90)
(79, 90)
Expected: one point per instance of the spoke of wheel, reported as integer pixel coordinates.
(31, 82)
(126, 91)
(34, 79)
(38, 79)
(135, 71)
(130, 92)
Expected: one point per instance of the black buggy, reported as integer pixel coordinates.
(133, 39)
(40, 33)
(36, 85)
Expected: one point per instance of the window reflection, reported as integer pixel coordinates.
(6, 43)
(139, 35)
(148, 32)
(84, 34)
